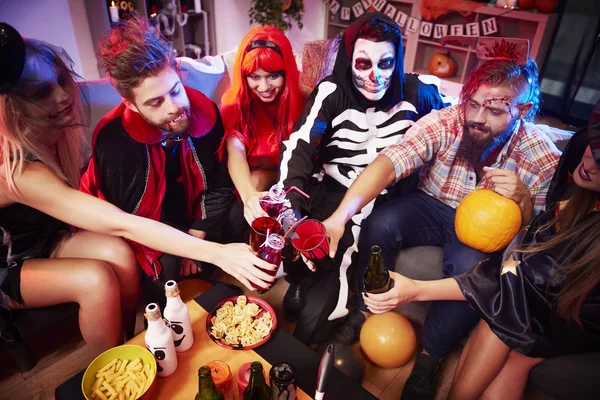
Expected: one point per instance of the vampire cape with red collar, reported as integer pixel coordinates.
(128, 161)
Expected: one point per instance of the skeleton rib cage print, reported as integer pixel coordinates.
(347, 144)
(339, 136)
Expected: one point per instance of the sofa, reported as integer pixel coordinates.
(560, 378)
(211, 76)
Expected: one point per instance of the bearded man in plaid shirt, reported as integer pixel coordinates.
(486, 141)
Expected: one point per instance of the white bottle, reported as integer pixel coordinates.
(160, 342)
(177, 317)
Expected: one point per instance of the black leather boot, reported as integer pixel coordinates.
(295, 300)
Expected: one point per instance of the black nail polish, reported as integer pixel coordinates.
(366, 295)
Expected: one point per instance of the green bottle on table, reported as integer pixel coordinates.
(257, 388)
(206, 386)
(376, 276)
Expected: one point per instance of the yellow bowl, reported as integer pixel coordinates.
(125, 352)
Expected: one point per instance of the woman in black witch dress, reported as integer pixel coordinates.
(542, 299)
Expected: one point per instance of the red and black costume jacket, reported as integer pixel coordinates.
(128, 163)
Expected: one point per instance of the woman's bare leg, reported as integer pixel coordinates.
(480, 362)
(90, 283)
(512, 379)
(119, 255)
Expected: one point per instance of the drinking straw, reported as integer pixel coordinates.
(297, 190)
(294, 226)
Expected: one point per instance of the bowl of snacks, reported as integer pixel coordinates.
(127, 372)
(241, 322)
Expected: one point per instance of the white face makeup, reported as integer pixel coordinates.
(373, 64)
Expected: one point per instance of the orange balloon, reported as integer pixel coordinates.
(388, 339)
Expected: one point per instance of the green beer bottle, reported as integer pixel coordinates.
(376, 276)
(257, 388)
(206, 386)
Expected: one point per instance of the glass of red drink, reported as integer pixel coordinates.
(312, 242)
(260, 227)
(271, 253)
(274, 202)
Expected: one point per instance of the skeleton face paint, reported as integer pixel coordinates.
(373, 64)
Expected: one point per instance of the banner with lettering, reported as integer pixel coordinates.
(407, 23)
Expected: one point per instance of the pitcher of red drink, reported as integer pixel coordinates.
(274, 202)
(271, 253)
(261, 227)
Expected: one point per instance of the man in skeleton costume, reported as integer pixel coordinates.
(364, 106)
(486, 141)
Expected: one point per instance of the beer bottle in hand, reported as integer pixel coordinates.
(206, 386)
(376, 276)
(257, 388)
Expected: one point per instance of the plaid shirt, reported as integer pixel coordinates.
(434, 141)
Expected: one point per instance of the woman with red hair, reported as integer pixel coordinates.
(259, 111)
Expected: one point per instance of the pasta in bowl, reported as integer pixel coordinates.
(241, 322)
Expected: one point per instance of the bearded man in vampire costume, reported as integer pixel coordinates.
(154, 155)
(364, 106)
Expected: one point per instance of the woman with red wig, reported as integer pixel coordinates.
(259, 111)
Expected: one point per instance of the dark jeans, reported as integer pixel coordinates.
(313, 325)
(417, 219)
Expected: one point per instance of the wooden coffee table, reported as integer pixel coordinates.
(282, 346)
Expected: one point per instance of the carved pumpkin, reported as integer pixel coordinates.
(487, 221)
(546, 6)
(442, 65)
(526, 4)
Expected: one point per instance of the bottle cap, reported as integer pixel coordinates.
(152, 312)
(256, 366)
(171, 289)
(288, 217)
(275, 241)
(277, 193)
(283, 373)
(204, 372)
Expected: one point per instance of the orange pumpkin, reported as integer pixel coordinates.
(546, 6)
(442, 65)
(487, 221)
(526, 4)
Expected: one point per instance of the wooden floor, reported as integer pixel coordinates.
(62, 354)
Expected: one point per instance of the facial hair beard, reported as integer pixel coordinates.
(474, 149)
(172, 130)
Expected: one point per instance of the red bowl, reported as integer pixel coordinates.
(250, 299)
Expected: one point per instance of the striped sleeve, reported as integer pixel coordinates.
(300, 150)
